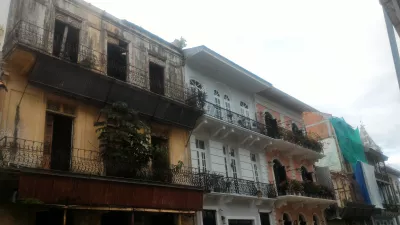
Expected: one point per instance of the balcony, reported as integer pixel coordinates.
(82, 72)
(304, 193)
(224, 123)
(27, 155)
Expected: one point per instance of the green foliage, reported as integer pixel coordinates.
(180, 43)
(160, 164)
(30, 201)
(124, 140)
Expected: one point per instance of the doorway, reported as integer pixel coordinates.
(240, 222)
(156, 78)
(151, 218)
(209, 217)
(264, 217)
(116, 218)
(58, 135)
(280, 176)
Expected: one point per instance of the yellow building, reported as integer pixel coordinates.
(63, 62)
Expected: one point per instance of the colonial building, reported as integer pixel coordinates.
(249, 139)
(63, 62)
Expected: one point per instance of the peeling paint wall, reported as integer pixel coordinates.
(96, 27)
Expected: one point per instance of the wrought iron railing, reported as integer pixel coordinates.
(215, 182)
(228, 116)
(305, 188)
(392, 207)
(42, 40)
(27, 154)
(281, 132)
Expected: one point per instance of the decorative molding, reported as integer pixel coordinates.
(157, 60)
(68, 18)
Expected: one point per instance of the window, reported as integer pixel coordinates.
(217, 102)
(156, 76)
(228, 112)
(199, 158)
(244, 109)
(195, 85)
(117, 60)
(66, 41)
(315, 220)
(233, 162)
(225, 151)
(255, 167)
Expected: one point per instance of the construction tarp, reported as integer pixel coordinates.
(349, 141)
(365, 176)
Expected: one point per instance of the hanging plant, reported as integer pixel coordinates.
(124, 141)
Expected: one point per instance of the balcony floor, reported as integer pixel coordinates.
(299, 201)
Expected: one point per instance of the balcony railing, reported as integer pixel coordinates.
(27, 154)
(214, 182)
(280, 132)
(42, 40)
(305, 188)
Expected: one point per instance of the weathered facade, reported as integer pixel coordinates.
(64, 61)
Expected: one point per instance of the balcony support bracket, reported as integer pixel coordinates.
(246, 139)
(218, 131)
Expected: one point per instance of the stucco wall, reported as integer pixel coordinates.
(211, 84)
(4, 8)
(294, 213)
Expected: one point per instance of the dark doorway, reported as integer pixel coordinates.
(149, 218)
(264, 219)
(302, 220)
(305, 175)
(280, 177)
(286, 219)
(156, 78)
(51, 217)
(66, 41)
(116, 218)
(209, 217)
(61, 141)
(117, 61)
(240, 222)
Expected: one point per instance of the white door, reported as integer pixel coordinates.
(228, 112)
(199, 156)
(217, 102)
(254, 164)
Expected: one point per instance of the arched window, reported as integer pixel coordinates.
(302, 220)
(195, 85)
(280, 177)
(286, 219)
(315, 220)
(217, 102)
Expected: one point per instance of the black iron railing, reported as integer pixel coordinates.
(42, 40)
(279, 132)
(305, 188)
(392, 207)
(213, 182)
(228, 116)
(27, 154)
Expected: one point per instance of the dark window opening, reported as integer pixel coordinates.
(156, 78)
(150, 218)
(209, 217)
(240, 222)
(280, 177)
(59, 141)
(302, 220)
(265, 219)
(286, 219)
(113, 218)
(66, 41)
(305, 175)
(52, 217)
(117, 60)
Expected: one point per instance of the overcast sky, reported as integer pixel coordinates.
(333, 55)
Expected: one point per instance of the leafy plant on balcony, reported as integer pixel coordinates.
(197, 99)
(160, 164)
(124, 141)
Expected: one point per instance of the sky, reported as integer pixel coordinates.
(333, 55)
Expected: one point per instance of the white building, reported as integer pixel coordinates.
(230, 142)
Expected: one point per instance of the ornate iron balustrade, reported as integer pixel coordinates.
(228, 116)
(305, 188)
(27, 154)
(216, 182)
(281, 132)
(42, 40)
(392, 207)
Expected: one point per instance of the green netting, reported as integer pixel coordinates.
(349, 141)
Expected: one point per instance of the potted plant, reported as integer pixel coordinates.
(296, 187)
